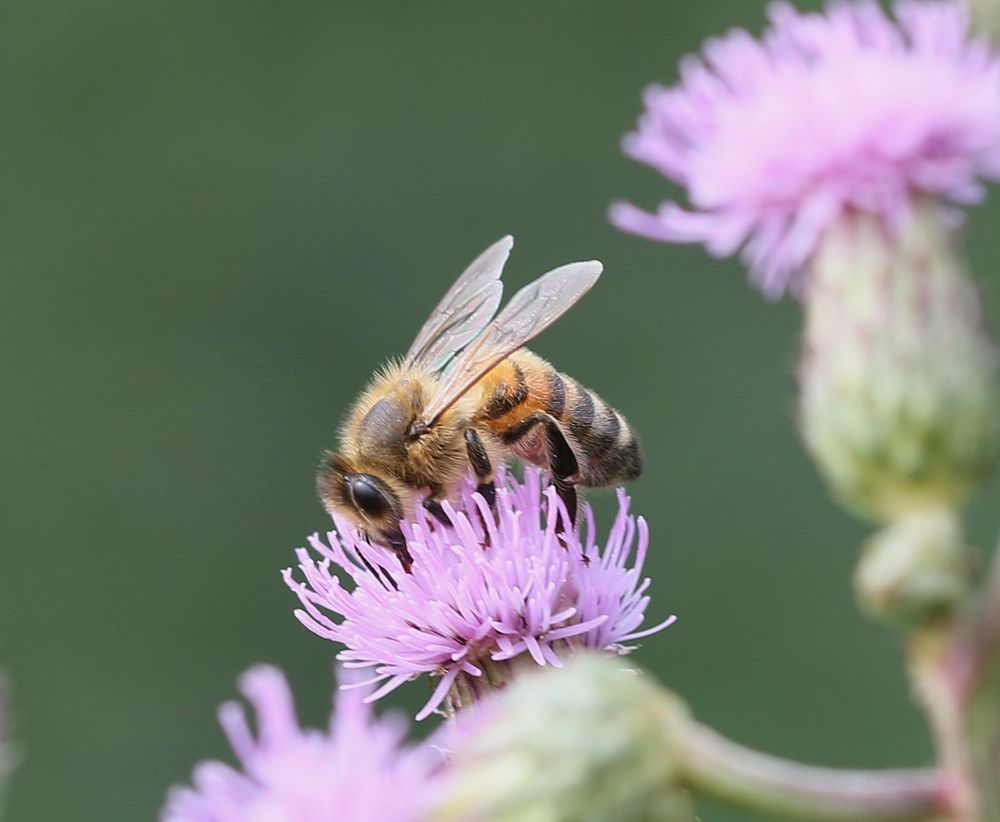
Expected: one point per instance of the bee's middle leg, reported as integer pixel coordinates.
(481, 467)
(405, 560)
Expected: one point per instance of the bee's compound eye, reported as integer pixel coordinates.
(369, 498)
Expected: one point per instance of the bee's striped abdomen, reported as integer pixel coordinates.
(604, 442)
(524, 386)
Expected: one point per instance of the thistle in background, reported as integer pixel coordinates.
(484, 597)
(357, 769)
(835, 152)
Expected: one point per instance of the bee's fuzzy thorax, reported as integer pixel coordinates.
(375, 436)
(439, 457)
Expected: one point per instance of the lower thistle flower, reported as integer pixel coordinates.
(589, 743)
(485, 595)
(357, 769)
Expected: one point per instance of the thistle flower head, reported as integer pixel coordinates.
(849, 110)
(355, 770)
(483, 595)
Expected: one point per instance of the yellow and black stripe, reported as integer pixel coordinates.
(605, 443)
(522, 389)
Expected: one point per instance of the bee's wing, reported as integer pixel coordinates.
(529, 312)
(463, 312)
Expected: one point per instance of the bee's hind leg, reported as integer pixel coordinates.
(563, 466)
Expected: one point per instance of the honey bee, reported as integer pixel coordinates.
(467, 394)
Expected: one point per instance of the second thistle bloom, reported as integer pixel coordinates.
(828, 114)
(483, 596)
(835, 152)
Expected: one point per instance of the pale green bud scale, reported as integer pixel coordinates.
(915, 570)
(899, 400)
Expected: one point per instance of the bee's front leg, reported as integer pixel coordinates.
(385, 573)
(398, 545)
(432, 505)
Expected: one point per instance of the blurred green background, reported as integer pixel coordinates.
(219, 218)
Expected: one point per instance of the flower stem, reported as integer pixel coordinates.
(916, 574)
(928, 651)
(717, 767)
(978, 640)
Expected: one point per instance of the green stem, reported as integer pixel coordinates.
(968, 668)
(955, 669)
(714, 766)
(983, 716)
(915, 574)
(929, 654)
(977, 645)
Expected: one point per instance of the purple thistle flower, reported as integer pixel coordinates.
(477, 602)
(355, 770)
(847, 111)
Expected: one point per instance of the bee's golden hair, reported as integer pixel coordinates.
(374, 439)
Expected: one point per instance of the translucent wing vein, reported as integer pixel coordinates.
(463, 312)
(529, 312)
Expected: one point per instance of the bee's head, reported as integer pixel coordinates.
(369, 500)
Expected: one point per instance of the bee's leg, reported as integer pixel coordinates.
(479, 459)
(433, 507)
(371, 567)
(562, 465)
(482, 467)
(398, 545)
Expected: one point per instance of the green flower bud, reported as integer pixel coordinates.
(586, 743)
(899, 401)
(915, 570)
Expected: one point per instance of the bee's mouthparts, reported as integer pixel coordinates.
(398, 545)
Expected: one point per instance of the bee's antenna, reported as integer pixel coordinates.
(418, 429)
